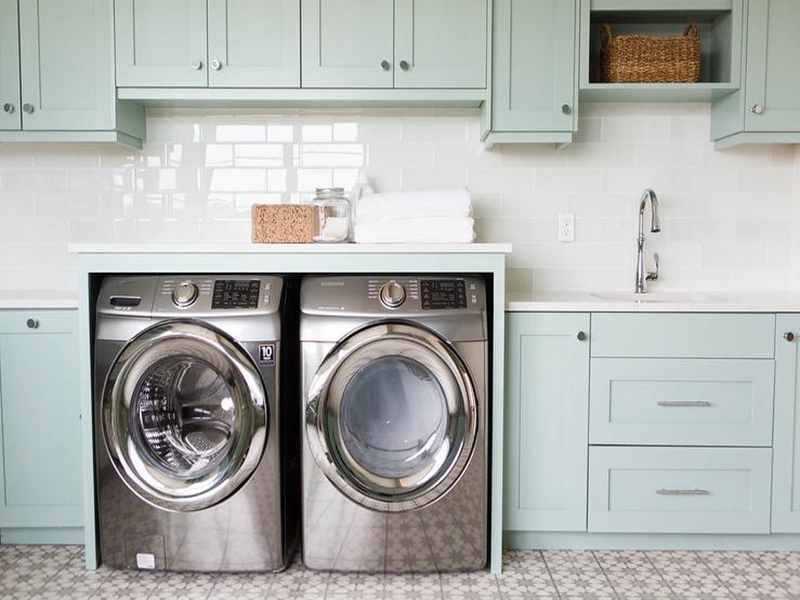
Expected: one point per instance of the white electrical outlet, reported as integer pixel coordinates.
(566, 227)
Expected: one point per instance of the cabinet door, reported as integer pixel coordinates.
(66, 64)
(533, 85)
(161, 44)
(9, 66)
(347, 43)
(440, 43)
(773, 79)
(254, 43)
(547, 374)
(786, 436)
(40, 437)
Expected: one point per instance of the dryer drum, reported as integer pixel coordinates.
(392, 417)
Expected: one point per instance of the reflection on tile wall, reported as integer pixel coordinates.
(727, 217)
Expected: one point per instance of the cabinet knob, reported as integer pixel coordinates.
(581, 336)
(757, 109)
(566, 109)
(216, 65)
(788, 336)
(404, 65)
(32, 323)
(27, 108)
(197, 65)
(8, 108)
(385, 65)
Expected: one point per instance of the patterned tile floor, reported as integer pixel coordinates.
(57, 572)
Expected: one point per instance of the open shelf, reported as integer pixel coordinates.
(720, 30)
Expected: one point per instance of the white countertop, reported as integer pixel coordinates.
(293, 248)
(33, 299)
(654, 302)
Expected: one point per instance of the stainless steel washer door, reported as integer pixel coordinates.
(391, 417)
(184, 415)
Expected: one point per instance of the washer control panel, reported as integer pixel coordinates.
(235, 293)
(441, 294)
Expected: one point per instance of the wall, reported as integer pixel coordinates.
(727, 217)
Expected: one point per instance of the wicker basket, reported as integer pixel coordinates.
(646, 59)
(282, 224)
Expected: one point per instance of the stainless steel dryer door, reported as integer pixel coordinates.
(391, 417)
(184, 415)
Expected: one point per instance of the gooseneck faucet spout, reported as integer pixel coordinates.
(642, 275)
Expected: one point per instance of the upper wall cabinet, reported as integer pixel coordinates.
(218, 43)
(57, 74)
(11, 115)
(767, 109)
(394, 43)
(533, 76)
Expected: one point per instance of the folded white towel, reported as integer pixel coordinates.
(454, 202)
(433, 230)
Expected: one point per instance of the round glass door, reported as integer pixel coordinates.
(184, 415)
(392, 417)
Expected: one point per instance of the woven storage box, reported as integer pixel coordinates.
(282, 224)
(646, 59)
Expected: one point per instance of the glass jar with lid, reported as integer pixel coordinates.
(332, 223)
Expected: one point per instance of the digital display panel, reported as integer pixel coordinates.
(236, 293)
(442, 294)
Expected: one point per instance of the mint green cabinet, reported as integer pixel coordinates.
(347, 43)
(440, 43)
(547, 411)
(10, 113)
(40, 432)
(786, 441)
(66, 66)
(253, 43)
(394, 43)
(57, 74)
(767, 109)
(161, 43)
(534, 92)
(213, 43)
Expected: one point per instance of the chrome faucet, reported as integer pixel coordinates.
(642, 275)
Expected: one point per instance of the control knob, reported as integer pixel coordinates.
(184, 294)
(392, 294)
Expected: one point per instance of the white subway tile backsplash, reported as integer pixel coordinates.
(730, 219)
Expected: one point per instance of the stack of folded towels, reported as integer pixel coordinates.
(436, 216)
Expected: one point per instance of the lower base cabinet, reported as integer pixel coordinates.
(40, 429)
(786, 442)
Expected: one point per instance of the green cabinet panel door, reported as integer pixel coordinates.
(67, 70)
(547, 412)
(773, 78)
(10, 113)
(40, 432)
(161, 44)
(786, 440)
(347, 43)
(254, 43)
(533, 85)
(440, 43)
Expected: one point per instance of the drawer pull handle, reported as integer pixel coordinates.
(788, 336)
(694, 492)
(32, 323)
(688, 403)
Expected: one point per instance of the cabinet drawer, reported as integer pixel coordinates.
(670, 401)
(38, 321)
(660, 335)
(679, 490)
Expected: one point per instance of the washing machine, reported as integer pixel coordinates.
(394, 458)
(194, 463)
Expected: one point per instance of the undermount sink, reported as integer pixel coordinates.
(660, 297)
